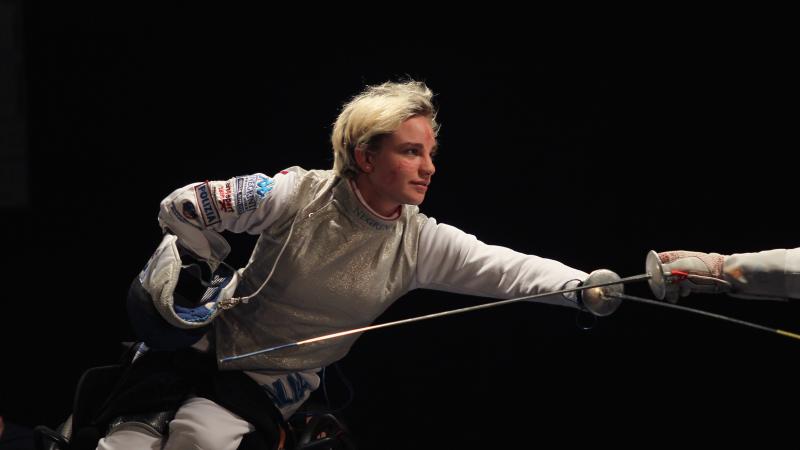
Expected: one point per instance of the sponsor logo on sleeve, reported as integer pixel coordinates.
(250, 191)
(208, 207)
(265, 184)
(225, 197)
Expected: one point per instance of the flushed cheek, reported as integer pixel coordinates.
(396, 174)
(405, 170)
(390, 177)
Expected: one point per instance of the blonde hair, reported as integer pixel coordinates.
(374, 113)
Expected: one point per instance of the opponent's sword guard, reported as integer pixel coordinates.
(658, 278)
(602, 301)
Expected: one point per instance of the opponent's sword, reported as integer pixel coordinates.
(707, 314)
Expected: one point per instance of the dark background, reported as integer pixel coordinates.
(588, 148)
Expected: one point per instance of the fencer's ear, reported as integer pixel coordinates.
(363, 158)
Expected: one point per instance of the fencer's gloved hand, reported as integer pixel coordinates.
(198, 284)
(193, 280)
(175, 298)
(693, 272)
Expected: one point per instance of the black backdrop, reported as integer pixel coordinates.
(588, 152)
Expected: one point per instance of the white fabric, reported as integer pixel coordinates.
(159, 278)
(131, 436)
(770, 274)
(198, 424)
(454, 261)
(205, 240)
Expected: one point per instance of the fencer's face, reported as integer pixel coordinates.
(400, 171)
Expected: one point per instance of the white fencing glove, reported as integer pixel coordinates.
(689, 272)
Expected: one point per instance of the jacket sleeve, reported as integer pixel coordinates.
(771, 274)
(450, 260)
(198, 212)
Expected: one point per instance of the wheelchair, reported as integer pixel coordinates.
(311, 428)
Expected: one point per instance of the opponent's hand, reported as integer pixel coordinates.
(689, 271)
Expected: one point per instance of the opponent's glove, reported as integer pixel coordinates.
(688, 271)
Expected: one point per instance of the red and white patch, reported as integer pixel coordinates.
(224, 195)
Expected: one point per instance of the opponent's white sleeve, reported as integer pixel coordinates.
(197, 212)
(451, 260)
(771, 274)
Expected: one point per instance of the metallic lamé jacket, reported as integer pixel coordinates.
(335, 265)
(341, 269)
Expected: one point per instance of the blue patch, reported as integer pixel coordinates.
(188, 210)
(298, 387)
(208, 206)
(196, 314)
(265, 184)
(251, 190)
(180, 216)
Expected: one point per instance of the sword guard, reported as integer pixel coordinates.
(658, 278)
(602, 301)
(663, 283)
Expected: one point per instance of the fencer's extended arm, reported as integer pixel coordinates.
(769, 274)
(766, 274)
(452, 260)
(197, 212)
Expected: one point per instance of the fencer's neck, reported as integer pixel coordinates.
(393, 211)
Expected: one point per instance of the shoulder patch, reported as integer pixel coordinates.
(188, 210)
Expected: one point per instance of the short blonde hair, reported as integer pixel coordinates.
(374, 113)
